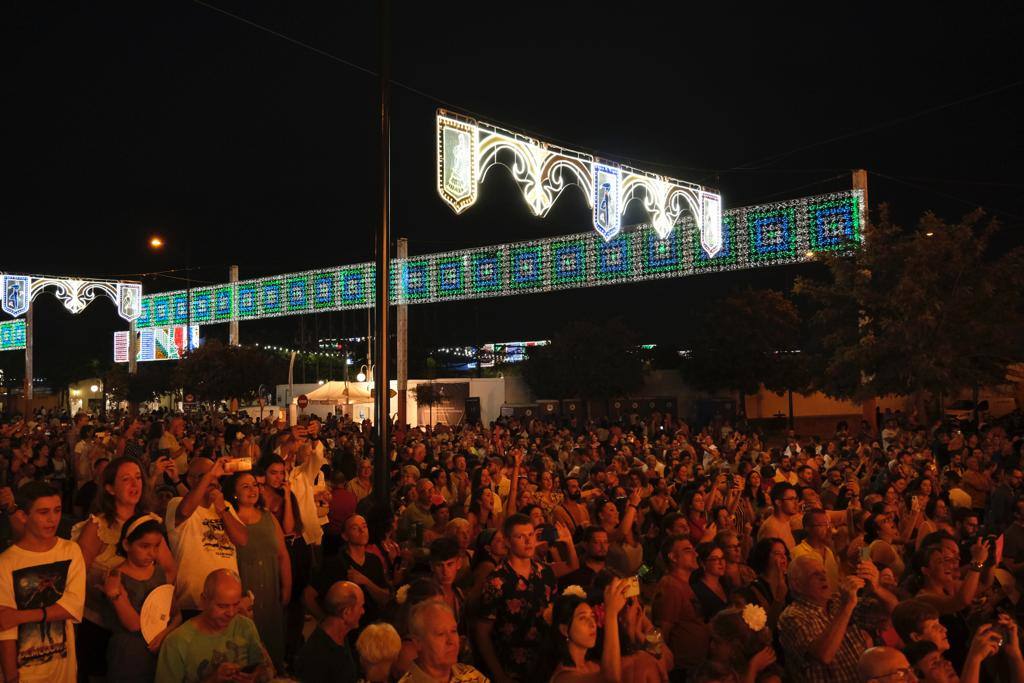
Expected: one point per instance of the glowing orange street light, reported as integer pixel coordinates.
(155, 242)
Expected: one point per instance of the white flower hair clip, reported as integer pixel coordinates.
(575, 590)
(755, 617)
(402, 594)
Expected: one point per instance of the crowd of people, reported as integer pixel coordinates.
(218, 547)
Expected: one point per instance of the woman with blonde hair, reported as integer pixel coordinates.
(378, 647)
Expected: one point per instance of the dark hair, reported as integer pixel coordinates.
(270, 459)
(961, 514)
(929, 507)
(590, 531)
(476, 500)
(231, 488)
(780, 490)
(148, 527)
(29, 493)
(527, 509)
(512, 521)
(105, 504)
(564, 609)
(809, 516)
(443, 549)
(480, 552)
(909, 616)
(918, 650)
(761, 553)
(668, 520)
(668, 545)
(420, 590)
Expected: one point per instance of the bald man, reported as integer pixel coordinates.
(884, 664)
(218, 645)
(327, 655)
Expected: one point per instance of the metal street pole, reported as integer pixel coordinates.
(382, 398)
(402, 344)
(28, 359)
(233, 325)
(868, 406)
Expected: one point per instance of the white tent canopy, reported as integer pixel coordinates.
(342, 392)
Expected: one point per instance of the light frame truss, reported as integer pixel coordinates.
(755, 236)
(18, 291)
(468, 148)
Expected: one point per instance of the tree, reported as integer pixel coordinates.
(216, 372)
(749, 338)
(919, 311)
(150, 381)
(585, 360)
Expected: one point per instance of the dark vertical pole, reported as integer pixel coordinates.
(29, 377)
(382, 374)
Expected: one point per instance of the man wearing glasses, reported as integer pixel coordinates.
(884, 665)
(785, 504)
(821, 643)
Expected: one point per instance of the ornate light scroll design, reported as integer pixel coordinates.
(18, 291)
(467, 149)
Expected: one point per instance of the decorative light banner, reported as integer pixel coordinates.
(156, 343)
(18, 291)
(753, 236)
(12, 335)
(467, 149)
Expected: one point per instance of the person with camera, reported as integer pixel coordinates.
(204, 531)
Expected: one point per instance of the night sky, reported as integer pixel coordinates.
(239, 146)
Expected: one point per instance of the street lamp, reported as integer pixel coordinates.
(363, 370)
(156, 243)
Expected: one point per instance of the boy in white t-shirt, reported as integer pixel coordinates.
(42, 593)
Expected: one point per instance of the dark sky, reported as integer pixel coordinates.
(125, 119)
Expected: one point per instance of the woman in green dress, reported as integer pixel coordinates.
(263, 565)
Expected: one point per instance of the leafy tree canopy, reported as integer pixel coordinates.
(926, 310)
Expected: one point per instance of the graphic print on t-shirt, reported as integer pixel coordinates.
(215, 539)
(35, 588)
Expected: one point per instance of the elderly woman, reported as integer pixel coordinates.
(378, 647)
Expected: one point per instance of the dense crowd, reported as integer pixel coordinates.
(216, 547)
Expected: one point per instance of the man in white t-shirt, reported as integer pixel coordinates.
(42, 593)
(203, 530)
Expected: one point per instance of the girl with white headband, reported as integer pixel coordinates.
(129, 658)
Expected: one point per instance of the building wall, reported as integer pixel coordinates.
(766, 404)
